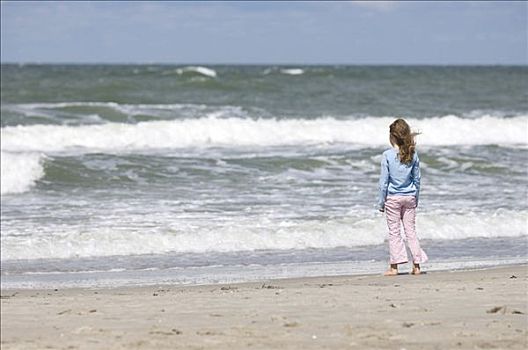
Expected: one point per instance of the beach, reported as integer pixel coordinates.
(465, 309)
(226, 180)
(193, 207)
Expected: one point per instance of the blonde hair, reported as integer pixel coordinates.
(401, 135)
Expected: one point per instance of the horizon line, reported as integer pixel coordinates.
(258, 64)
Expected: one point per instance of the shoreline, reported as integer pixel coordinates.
(223, 275)
(464, 309)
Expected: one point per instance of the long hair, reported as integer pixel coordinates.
(401, 135)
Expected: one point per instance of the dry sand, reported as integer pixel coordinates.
(483, 309)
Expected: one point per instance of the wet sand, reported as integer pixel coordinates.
(478, 309)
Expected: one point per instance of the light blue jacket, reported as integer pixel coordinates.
(397, 178)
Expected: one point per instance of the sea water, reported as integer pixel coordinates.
(142, 174)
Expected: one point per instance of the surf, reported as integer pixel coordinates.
(240, 132)
(170, 234)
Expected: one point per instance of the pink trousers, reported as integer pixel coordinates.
(403, 209)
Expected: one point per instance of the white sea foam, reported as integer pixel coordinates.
(247, 234)
(208, 72)
(20, 171)
(292, 71)
(235, 132)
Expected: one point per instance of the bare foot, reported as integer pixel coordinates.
(391, 272)
(416, 270)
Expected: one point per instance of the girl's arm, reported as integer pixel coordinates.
(416, 177)
(383, 183)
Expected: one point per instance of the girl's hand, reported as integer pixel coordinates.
(381, 210)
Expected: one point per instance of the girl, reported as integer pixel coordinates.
(399, 188)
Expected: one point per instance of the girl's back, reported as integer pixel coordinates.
(403, 179)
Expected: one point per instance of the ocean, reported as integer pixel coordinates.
(116, 175)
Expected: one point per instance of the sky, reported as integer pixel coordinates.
(347, 32)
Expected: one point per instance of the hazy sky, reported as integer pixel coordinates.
(265, 32)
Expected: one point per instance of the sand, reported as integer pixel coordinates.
(479, 309)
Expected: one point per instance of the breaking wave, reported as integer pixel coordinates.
(20, 171)
(234, 132)
(247, 235)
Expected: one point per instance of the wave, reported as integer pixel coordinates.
(292, 71)
(208, 72)
(92, 112)
(60, 113)
(287, 71)
(20, 171)
(248, 234)
(240, 132)
(23, 146)
(115, 105)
